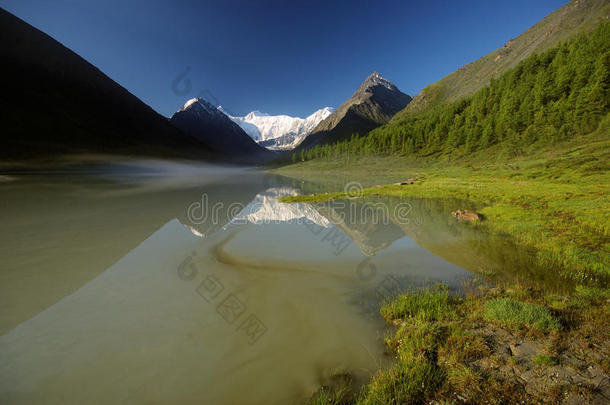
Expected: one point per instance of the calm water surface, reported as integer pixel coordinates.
(201, 287)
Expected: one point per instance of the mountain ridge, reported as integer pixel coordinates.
(206, 123)
(563, 23)
(79, 109)
(278, 132)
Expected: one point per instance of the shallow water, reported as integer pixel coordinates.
(200, 287)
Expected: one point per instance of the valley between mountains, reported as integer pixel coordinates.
(484, 280)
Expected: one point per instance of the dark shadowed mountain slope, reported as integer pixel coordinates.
(372, 105)
(208, 124)
(575, 17)
(53, 102)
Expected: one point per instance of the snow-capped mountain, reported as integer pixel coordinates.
(201, 120)
(266, 208)
(279, 132)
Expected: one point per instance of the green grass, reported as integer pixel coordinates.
(404, 383)
(327, 396)
(466, 379)
(415, 376)
(441, 342)
(338, 391)
(414, 340)
(520, 315)
(427, 305)
(544, 360)
(432, 349)
(592, 293)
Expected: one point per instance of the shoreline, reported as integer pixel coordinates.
(547, 201)
(492, 346)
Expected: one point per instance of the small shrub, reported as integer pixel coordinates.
(517, 315)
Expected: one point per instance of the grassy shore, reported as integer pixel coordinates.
(554, 200)
(489, 346)
(510, 345)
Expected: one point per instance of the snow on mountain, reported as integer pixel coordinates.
(266, 208)
(375, 79)
(278, 132)
(203, 121)
(199, 106)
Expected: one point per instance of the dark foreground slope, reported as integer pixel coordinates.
(575, 17)
(53, 102)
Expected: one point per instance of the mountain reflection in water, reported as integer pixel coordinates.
(207, 290)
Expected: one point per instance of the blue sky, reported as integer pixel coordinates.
(276, 57)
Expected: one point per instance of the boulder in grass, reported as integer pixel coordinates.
(467, 215)
(412, 180)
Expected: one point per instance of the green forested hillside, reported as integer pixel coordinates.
(573, 18)
(552, 96)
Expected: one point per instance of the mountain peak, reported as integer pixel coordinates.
(189, 103)
(279, 132)
(375, 79)
(326, 109)
(373, 104)
(201, 120)
(256, 113)
(197, 102)
(199, 105)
